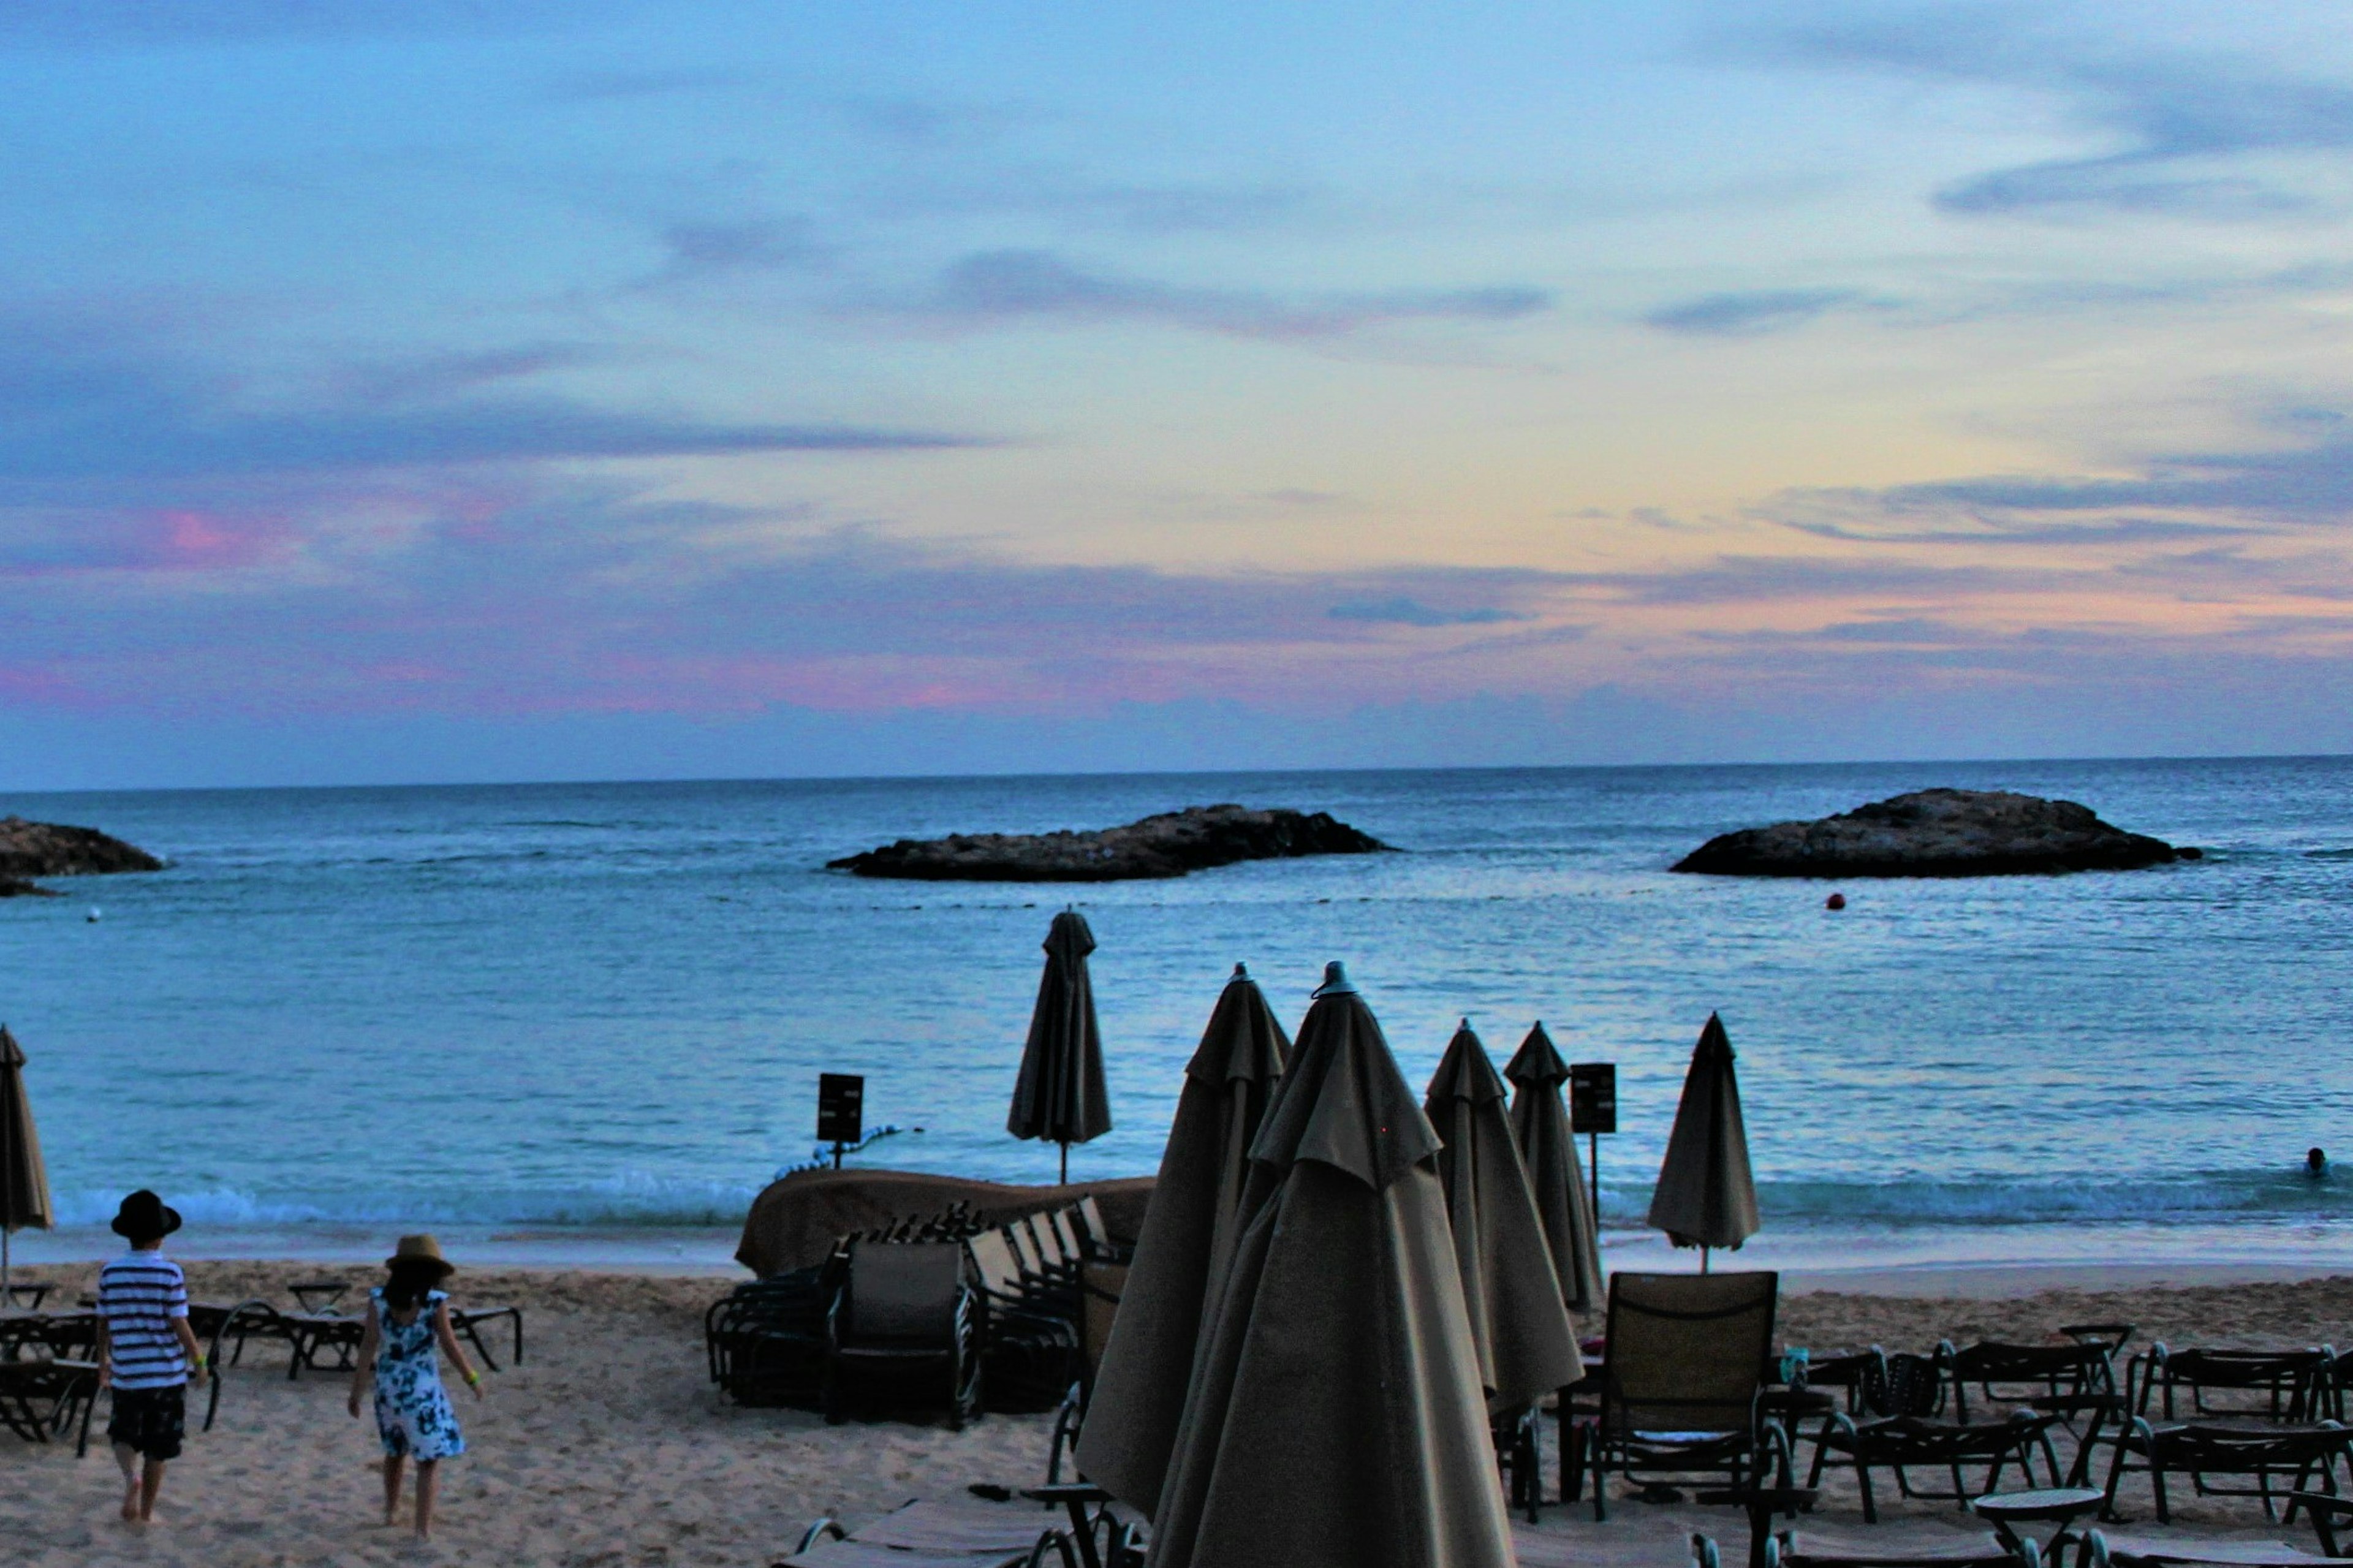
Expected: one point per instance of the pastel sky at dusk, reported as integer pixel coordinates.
(478, 391)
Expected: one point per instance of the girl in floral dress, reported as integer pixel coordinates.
(407, 1316)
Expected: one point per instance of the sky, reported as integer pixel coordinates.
(603, 390)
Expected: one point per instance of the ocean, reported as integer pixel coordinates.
(586, 1021)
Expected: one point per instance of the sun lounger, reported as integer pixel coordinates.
(907, 1319)
(2282, 1460)
(69, 1336)
(1029, 1353)
(2076, 1382)
(469, 1321)
(248, 1319)
(315, 1334)
(765, 1342)
(1825, 1549)
(2104, 1550)
(41, 1400)
(943, 1532)
(1903, 1443)
(2274, 1385)
(1680, 1388)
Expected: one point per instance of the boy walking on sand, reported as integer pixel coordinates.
(147, 1353)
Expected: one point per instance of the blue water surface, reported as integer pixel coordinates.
(602, 1005)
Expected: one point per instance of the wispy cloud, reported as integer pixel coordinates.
(88, 399)
(2183, 121)
(1000, 287)
(707, 249)
(2177, 497)
(1404, 612)
(1751, 313)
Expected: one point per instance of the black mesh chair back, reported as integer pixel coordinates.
(1687, 1350)
(905, 1292)
(1902, 1384)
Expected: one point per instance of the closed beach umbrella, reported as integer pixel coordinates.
(1336, 1417)
(1707, 1196)
(24, 1181)
(1059, 1095)
(1540, 1126)
(1189, 1231)
(1526, 1347)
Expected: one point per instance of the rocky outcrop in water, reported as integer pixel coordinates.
(1168, 845)
(29, 850)
(1937, 833)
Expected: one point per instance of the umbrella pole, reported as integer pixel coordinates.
(1066, 1163)
(1703, 1250)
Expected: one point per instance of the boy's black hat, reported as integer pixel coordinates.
(143, 1216)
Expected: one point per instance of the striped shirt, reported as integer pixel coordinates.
(139, 1294)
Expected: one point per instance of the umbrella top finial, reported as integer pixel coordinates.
(1242, 971)
(1335, 982)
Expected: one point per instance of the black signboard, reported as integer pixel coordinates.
(841, 1107)
(1593, 1097)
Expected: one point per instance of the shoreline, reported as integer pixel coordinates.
(1981, 1261)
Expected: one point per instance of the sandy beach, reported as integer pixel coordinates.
(609, 1447)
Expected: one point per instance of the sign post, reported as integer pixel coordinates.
(1593, 1110)
(841, 1111)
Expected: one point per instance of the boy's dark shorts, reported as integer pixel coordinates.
(151, 1420)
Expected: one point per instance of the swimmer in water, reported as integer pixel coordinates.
(2316, 1162)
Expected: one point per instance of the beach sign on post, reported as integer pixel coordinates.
(841, 1111)
(1593, 1110)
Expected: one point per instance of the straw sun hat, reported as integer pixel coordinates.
(420, 1248)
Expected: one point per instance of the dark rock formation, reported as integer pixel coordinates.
(52, 849)
(1168, 845)
(1936, 833)
(17, 888)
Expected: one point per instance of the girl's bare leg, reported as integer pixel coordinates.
(392, 1490)
(429, 1481)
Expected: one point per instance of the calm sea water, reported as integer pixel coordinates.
(603, 1008)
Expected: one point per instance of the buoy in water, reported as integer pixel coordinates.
(1835, 902)
(93, 917)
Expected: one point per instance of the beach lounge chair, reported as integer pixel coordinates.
(1100, 1243)
(1679, 1390)
(315, 1334)
(63, 1336)
(252, 1319)
(2104, 1551)
(1904, 1443)
(906, 1317)
(2076, 1382)
(765, 1341)
(1823, 1548)
(1030, 1354)
(2282, 1460)
(948, 1532)
(2196, 1384)
(469, 1321)
(41, 1400)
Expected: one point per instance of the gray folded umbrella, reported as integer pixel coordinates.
(1707, 1196)
(1540, 1126)
(1186, 1246)
(24, 1179)
(1059, 1095)
(1336, 1417)
(1527, 1346)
